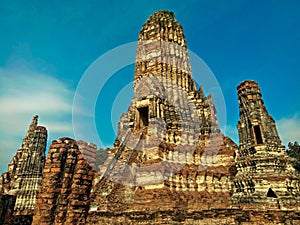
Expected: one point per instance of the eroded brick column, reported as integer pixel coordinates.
(67, 180)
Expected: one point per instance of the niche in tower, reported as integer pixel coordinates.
(271, 194)
(143, 116)
(257, 132)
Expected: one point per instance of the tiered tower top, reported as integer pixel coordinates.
(256, 126)
(163, 26)
(162, 52)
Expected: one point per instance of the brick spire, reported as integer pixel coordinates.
(162, 51)
(256, 126)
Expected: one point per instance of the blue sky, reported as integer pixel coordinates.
(46, 48)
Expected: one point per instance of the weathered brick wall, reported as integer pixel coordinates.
(67, 180)
(88, 150)
(21, 220)
(7, 203)
(205, 217)
(8, 216)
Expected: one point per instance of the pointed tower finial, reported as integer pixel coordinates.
(32, 125)
(201, 92)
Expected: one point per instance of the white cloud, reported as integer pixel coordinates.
(289, 129)
(24, 94)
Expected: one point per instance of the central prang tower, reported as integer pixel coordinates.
(169, 152)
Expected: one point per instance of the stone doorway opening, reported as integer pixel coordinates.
(144, 116)
(257, 133)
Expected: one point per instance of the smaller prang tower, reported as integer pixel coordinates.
(24, 175)
(256, 127)
(265, 173)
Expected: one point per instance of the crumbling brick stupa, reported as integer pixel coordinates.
(64, 196)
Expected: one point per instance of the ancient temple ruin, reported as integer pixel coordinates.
(170, 164)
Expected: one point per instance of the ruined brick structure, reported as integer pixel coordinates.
(7, 204)
(266, 177)
(169, 153)
(88, 151)
(170, 163)
(67, 181)
(24, 174)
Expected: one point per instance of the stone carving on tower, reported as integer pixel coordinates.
(24, 175)
(265, 173)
